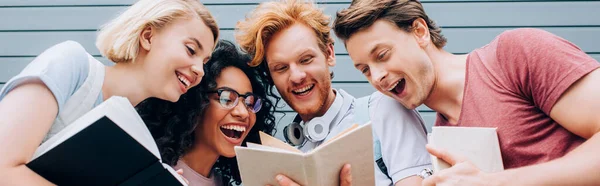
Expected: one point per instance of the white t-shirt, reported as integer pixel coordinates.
(402, 137)
(401, 133)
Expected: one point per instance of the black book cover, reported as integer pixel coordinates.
(100, 154)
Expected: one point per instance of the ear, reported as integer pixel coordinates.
(146, 38)
(330, 55)
(421, 32)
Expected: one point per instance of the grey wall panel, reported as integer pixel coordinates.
(28, 27)
(461, 40)
(344, 70)
(459, 14)
(206, 2)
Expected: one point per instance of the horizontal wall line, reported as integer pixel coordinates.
(320, 2)
(446, 27)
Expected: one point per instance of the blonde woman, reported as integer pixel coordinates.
(158, 46)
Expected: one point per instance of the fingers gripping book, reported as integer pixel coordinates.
(259, 164)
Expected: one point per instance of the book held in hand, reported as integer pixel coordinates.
(259, 164)
(110, 145)
(478, 144)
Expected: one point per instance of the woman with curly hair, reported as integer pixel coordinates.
(198, 133)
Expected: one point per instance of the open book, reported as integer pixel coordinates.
(110, 145)
(479, 145)
(259, 164)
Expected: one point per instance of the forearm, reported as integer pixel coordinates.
(579, 167)
(410, 181)
(21, 175)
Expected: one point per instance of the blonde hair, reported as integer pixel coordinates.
(118, 40)
(254, 33)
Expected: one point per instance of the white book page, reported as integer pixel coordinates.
(120, 111)
(478, 144)
(130, 122)
(266, 148)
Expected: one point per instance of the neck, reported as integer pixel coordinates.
(125, 79)
(201, 159)
(447, 93)
(324, 108)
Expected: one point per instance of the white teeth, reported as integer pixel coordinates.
(303, 89)
(184, 81)
(394, 86)
(234, 127)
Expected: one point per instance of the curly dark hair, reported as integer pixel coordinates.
(172, 124)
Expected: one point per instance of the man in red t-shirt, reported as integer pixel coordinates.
(540, 91)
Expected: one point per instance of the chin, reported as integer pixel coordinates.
(172, 97)
(229, 154)
(305, 107)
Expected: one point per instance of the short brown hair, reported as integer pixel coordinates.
(254, 33)
(363, 13)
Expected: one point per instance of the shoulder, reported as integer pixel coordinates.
(382, 105)
(530, 41)
(67, 53)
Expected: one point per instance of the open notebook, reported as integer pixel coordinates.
(479, 145)
(259, 164)
(110, 145)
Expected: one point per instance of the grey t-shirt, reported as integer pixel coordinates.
(402, 137)
(63, 68)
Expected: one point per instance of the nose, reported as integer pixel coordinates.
(199, 72)
(378, 74)
(297, 74)
(240, 110)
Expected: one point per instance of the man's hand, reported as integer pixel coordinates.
(462, 171)
(345, 178)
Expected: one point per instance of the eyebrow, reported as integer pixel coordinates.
(197, 43)
(377, 46)
(296, 55)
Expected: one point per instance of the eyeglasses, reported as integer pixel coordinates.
(229, 98)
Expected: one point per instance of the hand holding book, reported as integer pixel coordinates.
(261, 164)
(345, 178)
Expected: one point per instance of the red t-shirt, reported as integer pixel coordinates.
(513, 83)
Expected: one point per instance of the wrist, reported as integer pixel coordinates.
(502, 178)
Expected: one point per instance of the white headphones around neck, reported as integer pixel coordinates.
(316, 129)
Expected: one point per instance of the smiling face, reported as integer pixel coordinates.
(394, 61)
(221, 129)
(174, 56)
(300, 69)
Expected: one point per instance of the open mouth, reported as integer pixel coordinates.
(186, 83)
(233, 131)
(398, 88)
(304, 90)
